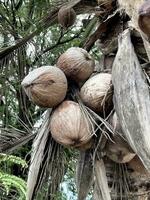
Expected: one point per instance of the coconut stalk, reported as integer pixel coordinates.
(101, 180)
(37, 156)
(84, 174)
(132, 98)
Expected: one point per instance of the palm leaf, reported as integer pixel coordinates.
(84, 174)
(11, 139)
(37, 156)
(45, 22)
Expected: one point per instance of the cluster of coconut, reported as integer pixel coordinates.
(47, 86)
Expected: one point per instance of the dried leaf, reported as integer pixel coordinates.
(84, 174)
(101, 180)
(132, 98)
(37, 156)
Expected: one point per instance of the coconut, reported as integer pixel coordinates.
(119, 151)
(96, 91)
(76, 64)
(46, 86)
(66, 16)
(137, 165)
(69, 126)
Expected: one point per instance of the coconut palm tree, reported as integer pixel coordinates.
(31, 36)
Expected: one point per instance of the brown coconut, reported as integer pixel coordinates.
(137, 165)
(69, 126)
(66, 16)
(76, 63)
(45, 86)
(96, 91)
(119, 151)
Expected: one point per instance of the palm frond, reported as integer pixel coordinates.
(84, 174)
(37, 156)
(9, 181)
(12, 159)
(57, 165)
(11, 139)
(101, 180)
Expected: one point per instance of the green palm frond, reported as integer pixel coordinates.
(13, 159)
(9, 181)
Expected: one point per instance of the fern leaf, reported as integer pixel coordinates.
(13, 159)
(9, 181)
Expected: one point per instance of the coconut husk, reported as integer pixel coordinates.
(96, 92)
(132, 98)
(66, 16)
(84, 174)
(118, 150)
(138, 167)
(46, 86)
(69, 126)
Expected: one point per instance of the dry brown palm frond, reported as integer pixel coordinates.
(56, 168)
(12, 138)
(120, 182)
(101, 180)
(84, 173)
(37, 156)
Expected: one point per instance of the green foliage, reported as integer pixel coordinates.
(13, 159)
(9, 182)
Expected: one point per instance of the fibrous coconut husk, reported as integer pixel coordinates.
(144, 18)
(46, 86)
(69, 125)
(137, 166)
(66, 16)
(96, 92)
(76, 63)
(118, 150)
